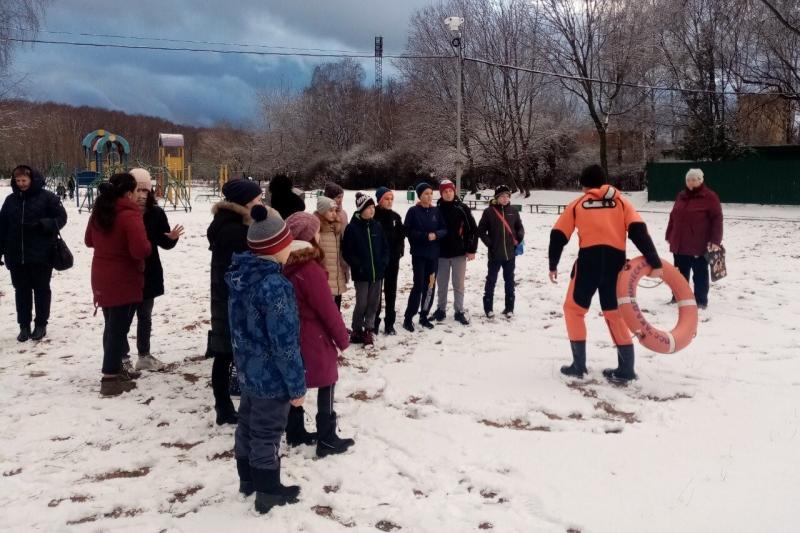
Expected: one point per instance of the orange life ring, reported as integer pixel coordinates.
(649, 336)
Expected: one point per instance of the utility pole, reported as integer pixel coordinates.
(454, 24)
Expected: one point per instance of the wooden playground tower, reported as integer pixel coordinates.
(173, 176)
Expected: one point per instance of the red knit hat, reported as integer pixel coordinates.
(268, 233)
(446, 184)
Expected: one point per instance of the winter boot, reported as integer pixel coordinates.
(408, 325)
(226, 413)
(270, 491)
(439, 315)
(624, 371)
(24, 333)
(245, 477)
(508, 313)
(389, 329)
(425, 322)
(578, 367)
(116, 385)
(462, 317)
(369, 339)
(296, 433)
(128, 370)
(328, 442)
(490, 314)
(38, 333)
(357, 337)
(148, 362)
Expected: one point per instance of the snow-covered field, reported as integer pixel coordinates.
(457, 429)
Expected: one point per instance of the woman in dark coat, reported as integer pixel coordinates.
(30, 219)
(227, 235)
(116, 232)
(282, 198)
(695, 226)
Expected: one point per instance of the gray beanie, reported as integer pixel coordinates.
(325, 204)
(268, 234)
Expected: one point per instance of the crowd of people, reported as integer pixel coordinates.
(278, 274)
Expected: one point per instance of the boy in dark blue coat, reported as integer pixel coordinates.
(425, 228)
(365, 249)
(265, 334)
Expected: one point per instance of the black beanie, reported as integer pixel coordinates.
(502, 189)
(241, 191)
(593, 177)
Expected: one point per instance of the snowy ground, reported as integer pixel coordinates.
(457, 429)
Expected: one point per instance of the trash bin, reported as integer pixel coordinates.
(518, 207)
(477, 196)
(411, 195)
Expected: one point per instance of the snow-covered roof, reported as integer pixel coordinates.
(171, 140)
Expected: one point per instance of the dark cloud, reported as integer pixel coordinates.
(198, 88)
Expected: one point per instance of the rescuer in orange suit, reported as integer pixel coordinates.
(603, 218)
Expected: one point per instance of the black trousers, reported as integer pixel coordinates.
(262, 421)
(493, 270)
(144, 327)
(698, 268)
(115, 336)
(420, 300)
(221, 379)
(389, 294)
(32, 286)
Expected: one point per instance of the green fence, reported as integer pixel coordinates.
(745, 181)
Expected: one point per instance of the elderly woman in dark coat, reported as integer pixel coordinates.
(30, 219)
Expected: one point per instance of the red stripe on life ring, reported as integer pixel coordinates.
(649, 336)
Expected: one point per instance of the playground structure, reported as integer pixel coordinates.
(173, 176)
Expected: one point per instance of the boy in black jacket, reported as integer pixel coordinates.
(395, 233)
(365, 249)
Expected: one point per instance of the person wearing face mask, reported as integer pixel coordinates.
(227, 235)
(695, 227)
(117, 236)
(30, 219)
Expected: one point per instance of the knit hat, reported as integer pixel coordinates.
(380, 191)
(421, 188)
(141, 175)
(593, 177)
(241, 191)
(303, 226)
(332, 190)
(502, 189)
(325, 204)
(268, 234)
(363, 201)
(446, 184)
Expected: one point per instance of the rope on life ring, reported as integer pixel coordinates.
(649, 336)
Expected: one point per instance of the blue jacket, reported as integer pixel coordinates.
(365, 249)
(420, 221)
(265, 329)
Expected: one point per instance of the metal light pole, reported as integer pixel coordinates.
(454, 24)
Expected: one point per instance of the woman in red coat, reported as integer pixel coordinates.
(117, 234)
(322, 335)
(695, 226)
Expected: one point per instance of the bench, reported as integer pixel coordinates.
(208, 197)
(534, 208)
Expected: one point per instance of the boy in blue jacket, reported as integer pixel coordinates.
(425, 228)
(265, 334)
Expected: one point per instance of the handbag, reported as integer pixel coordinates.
(61, 257)
(519, 247)
(716, 263)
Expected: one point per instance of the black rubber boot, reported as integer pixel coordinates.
(296, 433)
(328, 442)
(625, 362)
(24, 333)
(408, 325)
(245, 477)
(270, 491)
(439, 315)
(425, 322)
(578, 367)
(38, 333)
(226, 414)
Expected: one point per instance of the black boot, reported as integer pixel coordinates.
(328, 442)
(270, 491)
(226, 414)
(439, 315)
(24, 333)
(38, 333)
(245, 477)
(389, 329)
(357, 336)
(578, 367)
(296, 433)
(425, 322)
(624, 371)
(408, 325)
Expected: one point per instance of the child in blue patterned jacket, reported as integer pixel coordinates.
(265, 334)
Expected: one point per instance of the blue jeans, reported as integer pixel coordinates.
(698, 267)
(491, 280)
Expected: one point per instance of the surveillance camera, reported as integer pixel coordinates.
(454, 23)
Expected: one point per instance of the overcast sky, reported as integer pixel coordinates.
(198, 88)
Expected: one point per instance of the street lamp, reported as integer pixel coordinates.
(454, 25)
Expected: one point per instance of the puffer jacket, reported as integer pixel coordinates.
(462, 230)
(29, 222)
(494, 234)
(394, 230)
(365, 249)
(265, 329)
(227, 235)
(157, 226)
(330, 240)
(420, 221)
(322, 328)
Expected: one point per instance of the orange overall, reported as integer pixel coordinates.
(602, 218)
